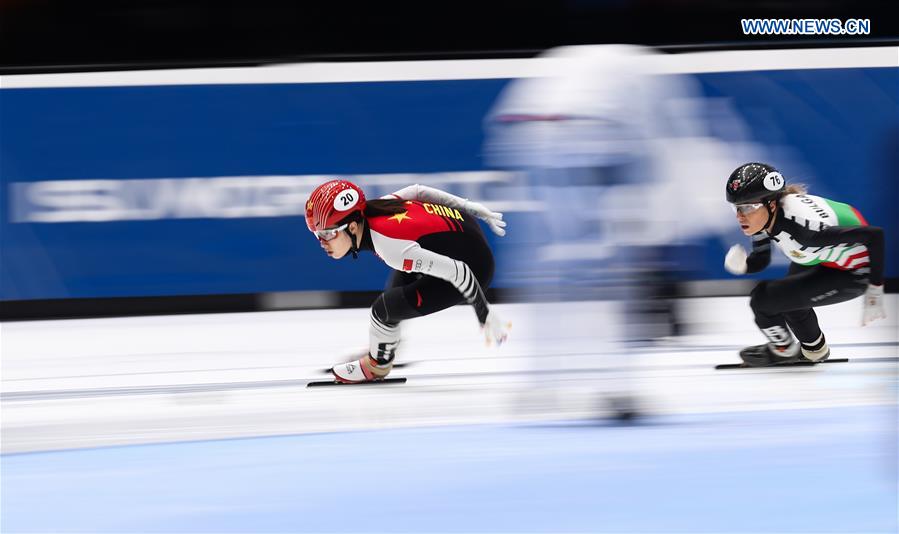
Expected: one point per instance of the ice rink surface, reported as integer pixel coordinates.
(203, 423)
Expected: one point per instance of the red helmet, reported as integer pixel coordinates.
(331, 203)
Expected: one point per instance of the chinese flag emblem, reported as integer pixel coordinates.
(407, 265)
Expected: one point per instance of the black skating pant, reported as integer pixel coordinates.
(792, 299)
(410, 295)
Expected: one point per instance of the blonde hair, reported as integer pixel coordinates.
(791, 189)
(796, 189)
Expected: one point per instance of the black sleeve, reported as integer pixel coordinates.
(760, 256)
(869, 236)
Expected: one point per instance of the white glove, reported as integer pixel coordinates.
(873, 307)
(495, 329)
(494, 220)
(735, 261)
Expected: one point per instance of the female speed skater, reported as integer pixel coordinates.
(835, 256)
(435, 246)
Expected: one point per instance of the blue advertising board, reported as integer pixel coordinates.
(113, 191)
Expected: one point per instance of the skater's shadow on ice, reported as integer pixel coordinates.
(609, 421)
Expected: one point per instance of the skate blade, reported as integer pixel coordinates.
(380, 382)
(792, 364)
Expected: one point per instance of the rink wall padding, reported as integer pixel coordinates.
(27, 310)
(165, 184)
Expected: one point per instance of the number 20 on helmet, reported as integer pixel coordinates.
(332, 203)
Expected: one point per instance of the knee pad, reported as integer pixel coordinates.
(393, 306)
(380, 310)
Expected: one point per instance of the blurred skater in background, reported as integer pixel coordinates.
(835, 256)
(613, 152)
(434, 244)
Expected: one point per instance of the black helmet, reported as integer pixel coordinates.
(754, 182)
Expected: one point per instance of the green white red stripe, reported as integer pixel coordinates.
(846, 214)
(848, 258)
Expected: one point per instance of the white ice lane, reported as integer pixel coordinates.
(84, 383)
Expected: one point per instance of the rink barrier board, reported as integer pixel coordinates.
(25, 310)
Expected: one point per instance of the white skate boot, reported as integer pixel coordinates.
(816, 351)
(365, 369)
(816, 355)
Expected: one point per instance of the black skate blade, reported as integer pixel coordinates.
(395, 366)
(381, 382)
(793, 364)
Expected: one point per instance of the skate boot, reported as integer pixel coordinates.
(815, 352)
(365, 369)
(769, 354)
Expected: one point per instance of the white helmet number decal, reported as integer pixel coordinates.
(773, 181)
(346, 200)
